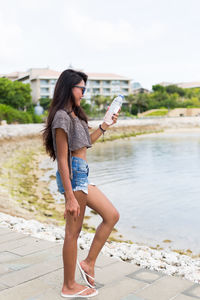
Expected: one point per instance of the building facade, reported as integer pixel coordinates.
(184, 85)
(43, 80)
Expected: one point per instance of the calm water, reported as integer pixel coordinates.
(154, 182)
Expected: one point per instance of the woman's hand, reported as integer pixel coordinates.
(114, 117)
(73, 208)
(104, 125)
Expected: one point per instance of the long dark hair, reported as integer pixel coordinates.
(61, 98)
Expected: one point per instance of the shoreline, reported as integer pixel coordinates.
(123, 126)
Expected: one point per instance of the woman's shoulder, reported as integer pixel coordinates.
(61, 114)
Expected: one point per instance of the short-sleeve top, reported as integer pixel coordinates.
(76, 130)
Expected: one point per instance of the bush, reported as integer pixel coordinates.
(15, 93)
(158, 113)
(45, 102)
(12, 115)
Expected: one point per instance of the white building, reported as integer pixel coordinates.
(184, 85)
(43, 80)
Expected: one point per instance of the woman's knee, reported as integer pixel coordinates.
(72, 234)
(113, 217)
(116, 216)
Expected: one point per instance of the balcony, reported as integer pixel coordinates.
(106, 83)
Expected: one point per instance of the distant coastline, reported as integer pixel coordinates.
(123, 127)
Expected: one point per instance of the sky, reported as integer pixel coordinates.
(148, 41)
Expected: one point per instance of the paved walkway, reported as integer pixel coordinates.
(31, 269)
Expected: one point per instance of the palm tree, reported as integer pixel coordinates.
(130, 99)
(140, 100)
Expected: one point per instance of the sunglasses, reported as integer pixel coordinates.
(81, 87)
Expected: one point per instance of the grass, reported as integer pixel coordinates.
(23, 184)
(160, 112)
(113, 137)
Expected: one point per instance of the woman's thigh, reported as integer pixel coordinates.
(97, 200)
(72, 226)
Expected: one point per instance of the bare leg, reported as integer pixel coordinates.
(101, 204)
(72, 231)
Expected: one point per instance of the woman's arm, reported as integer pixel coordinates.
(97, 133)
(62, 159)
(72, 206)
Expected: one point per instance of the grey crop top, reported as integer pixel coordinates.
(76, 130)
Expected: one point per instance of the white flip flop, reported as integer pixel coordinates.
(79, 294)
(84, 275)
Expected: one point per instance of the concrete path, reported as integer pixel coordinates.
(32, 269)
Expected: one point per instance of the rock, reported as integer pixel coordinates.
(48, 213)
(3, 122)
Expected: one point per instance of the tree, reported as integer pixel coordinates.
(158, 88)
(141, 101)
(15, 93)
(86, 106)
(101, 101)
(45, 102)
(130, 99)
(171, 89)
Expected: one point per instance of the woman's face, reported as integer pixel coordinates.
(78, 92)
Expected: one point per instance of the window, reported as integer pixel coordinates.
(124, 82)
(124, 91)
(106, 82)
(44, 90)
(115, 82)
(115, 89)
(96, 82)
(44, 81)
(96, 91)
(53, 81)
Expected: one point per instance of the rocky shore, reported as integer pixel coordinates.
(167, 262)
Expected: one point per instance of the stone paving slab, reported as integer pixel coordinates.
(32, 269)
(193, 291)
(25, 291)
(11, 245)
(34, 245)
(12, 236)
(120, 288)
(183, 297)
(30, 272)
(34, 258)
(7, 256)
(4, 230)
(114, 271)
(164, 288)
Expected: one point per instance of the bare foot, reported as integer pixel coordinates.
(77, 288)
(89, 270)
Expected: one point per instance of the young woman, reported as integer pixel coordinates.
(66, 139)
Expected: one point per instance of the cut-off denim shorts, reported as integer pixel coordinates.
(80, 179)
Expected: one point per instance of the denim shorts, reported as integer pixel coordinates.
(80, 179)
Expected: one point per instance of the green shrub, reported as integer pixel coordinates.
(157, 113)
(12, 115)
